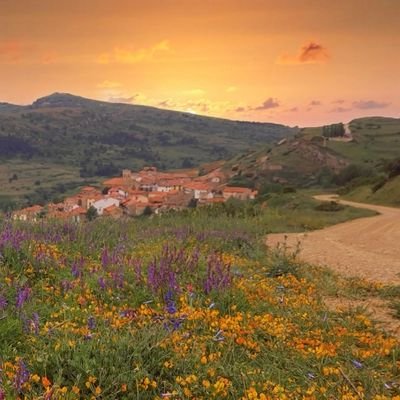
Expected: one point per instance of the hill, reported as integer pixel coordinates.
(311, 158)
(70, 140)
(374, 139)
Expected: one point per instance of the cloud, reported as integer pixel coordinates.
(231, 89)
(201, 106)
(267, 105)
(339, 101)
(369, 104)
(293, 109)
(128, 100)
(310, 53)
(123, 55)
(11, 51)
(340, 110)
(168, 103)
(109, 85)
(314, 103)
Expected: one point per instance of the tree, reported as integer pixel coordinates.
(192, 203)
(91, 213)
(147, 211)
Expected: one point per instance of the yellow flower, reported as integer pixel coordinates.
(75, 389)
(206, 383)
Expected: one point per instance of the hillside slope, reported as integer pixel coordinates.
(62, 141)
(388, 194)
(90, 134)
(307, 159)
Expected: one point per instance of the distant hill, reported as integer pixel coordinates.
(309, 159)
(374, 139)
(69, 140)
(95, 135)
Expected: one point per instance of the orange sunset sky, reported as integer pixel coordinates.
(298, 62)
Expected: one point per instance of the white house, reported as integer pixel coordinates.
(100, 205)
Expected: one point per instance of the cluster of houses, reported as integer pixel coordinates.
(135, 193)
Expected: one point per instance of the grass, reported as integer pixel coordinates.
(387, 195)
(29, 182)
(375, 138)
(187, 306)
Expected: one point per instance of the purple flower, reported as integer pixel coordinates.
(102, 283)
(22, 296)
(21, 376)
(218, 274)
(357, 364)
(32, 325)
(91, 323)
(170, 303)
(66, 285)
(3, 303)
(76, 268)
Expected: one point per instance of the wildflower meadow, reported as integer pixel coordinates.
(177, 307)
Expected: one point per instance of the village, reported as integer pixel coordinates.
(148, 191)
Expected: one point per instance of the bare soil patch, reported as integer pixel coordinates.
(367, 247)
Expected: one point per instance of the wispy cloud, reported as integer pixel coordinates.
(267, 104)
(315, 103)
(128, 100)
(240, 109)
(167, 103)
(231, 89)
(340, 110)
(369, 104)
(123, 55)
(309, 53)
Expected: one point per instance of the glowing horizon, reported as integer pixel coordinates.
(297, 62)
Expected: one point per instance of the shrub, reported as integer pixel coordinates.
(329, 206)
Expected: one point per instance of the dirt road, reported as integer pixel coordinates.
(366, 247)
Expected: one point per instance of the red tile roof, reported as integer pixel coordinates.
(234, 189)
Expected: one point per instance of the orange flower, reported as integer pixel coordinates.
(46, 382)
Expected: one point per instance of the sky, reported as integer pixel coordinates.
(297, 62)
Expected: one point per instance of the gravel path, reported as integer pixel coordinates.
(367, 247)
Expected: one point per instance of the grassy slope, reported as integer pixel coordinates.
(304, 157)
(376, 138)
(389, 194)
